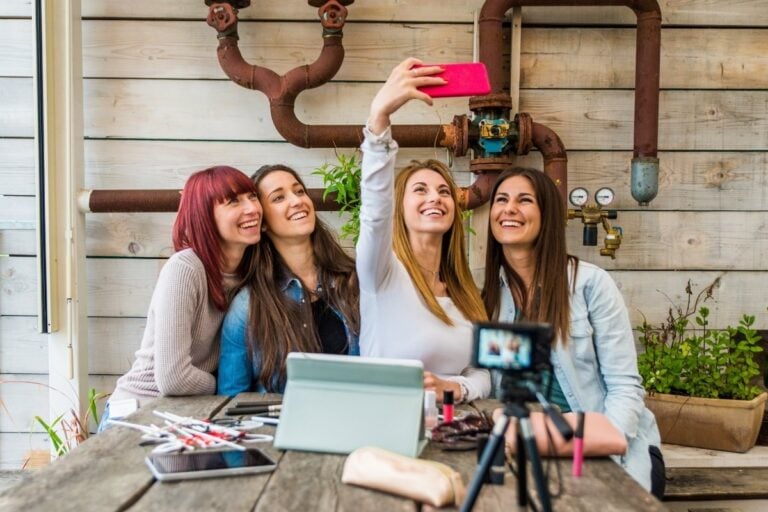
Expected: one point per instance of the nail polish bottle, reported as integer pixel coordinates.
(430, 410)
(447, 406)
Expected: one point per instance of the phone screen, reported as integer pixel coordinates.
(170, 463)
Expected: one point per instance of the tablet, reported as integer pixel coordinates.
(208, 464)
(338, 403)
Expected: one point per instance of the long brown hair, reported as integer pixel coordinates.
(195, 227)
(277, 323)
(454, 268)
(549, 301)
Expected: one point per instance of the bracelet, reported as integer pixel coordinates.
(464, 393)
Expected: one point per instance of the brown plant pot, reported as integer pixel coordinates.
(717, 424)
(36, 459)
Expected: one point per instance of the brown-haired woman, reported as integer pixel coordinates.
(301, 292)
(417, 296)
(529, 275)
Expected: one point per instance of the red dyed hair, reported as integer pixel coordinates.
(195, 227)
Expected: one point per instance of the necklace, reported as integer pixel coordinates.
(438, 288)
(433, 273)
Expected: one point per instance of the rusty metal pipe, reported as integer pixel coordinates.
(647, 78)
(555, 158)
(132, 201)
(283, 90)
(108, 201)
(479, 192)
(645, 164)
(647, 61)
(351, 136)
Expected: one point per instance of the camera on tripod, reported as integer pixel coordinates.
(520, 350)
(521, 353)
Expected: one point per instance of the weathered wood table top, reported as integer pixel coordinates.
(108, 473)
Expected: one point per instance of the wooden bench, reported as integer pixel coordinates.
(697, 484)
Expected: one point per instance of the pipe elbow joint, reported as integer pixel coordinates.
(644, 179)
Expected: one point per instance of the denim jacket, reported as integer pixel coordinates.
(597, 369)
(236, 373)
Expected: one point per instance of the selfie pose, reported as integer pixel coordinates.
(530, 276)
(219, 219)
(300, 295)
(417, 297)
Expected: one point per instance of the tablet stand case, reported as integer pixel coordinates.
(339, 403)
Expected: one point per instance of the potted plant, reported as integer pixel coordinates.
(702, 382)
(65, 432)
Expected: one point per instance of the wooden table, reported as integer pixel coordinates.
(107, 473)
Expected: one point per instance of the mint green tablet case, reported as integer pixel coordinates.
(339, 403)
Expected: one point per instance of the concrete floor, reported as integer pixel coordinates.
(10, 479)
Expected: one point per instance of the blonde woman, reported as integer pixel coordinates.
(417, 297)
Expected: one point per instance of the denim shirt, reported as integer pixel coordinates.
(597, 369)
(236, 373)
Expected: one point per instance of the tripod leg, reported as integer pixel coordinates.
(522, 473)
(494, 441)
(529, 440)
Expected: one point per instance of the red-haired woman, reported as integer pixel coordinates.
(219, 218)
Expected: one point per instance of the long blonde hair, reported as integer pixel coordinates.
(454, 268)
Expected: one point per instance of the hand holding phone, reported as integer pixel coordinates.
(462, 79)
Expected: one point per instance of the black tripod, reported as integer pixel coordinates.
(514, 399)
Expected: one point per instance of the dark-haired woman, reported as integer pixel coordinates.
(219, 218)
(301, 295)
(529, 275)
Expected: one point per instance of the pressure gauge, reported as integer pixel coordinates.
(604, 196)
(579, 197)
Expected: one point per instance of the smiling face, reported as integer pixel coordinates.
(288, 210)
(515, 216)
(427, 203)
(238, 221)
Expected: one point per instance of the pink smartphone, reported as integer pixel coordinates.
(464, 79)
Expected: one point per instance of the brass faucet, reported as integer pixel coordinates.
(591, 214)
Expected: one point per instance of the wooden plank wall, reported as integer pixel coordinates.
(157, 107)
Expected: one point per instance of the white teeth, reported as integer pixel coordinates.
(510, 224)
(251, 224)
(432, 211)
(298, 216)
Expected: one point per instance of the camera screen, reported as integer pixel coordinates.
(504, 349)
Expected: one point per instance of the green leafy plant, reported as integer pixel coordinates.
(69, 429)
(466, 215)
(693, 359)
(343, 179)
